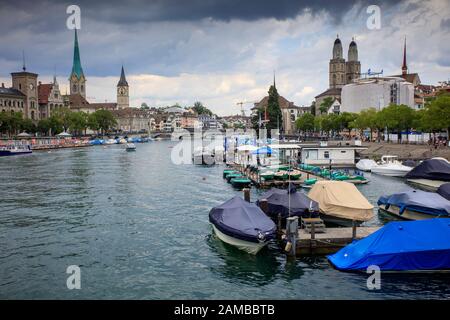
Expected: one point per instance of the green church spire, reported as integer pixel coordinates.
(76, 67)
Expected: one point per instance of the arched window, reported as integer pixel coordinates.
(74, 88)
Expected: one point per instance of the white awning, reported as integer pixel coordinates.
(247, 148)
(284, 146)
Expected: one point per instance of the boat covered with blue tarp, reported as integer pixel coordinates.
(429, 204)
(242, 224)
(289, 202)
(399, 246)
(444, 191)
(431, 169)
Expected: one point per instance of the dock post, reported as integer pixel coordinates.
(264, 205)
(279, 221)
(246, 194)
(292, 234)
(353, 229)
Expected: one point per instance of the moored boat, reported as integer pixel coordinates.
(288, 202)
(366, 164)
(130, 147)
(267, 175)
(341, 203)
(402, 246)
(242, 224)
(294, 174)
(391, 167)
(430, 174)
(444, 190)
(240, 182)
(281, 175)
(415, 205)
(14, 150)
(233, 175)
(227, 171)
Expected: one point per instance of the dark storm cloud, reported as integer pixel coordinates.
(134, 11)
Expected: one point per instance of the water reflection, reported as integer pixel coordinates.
(239, 266)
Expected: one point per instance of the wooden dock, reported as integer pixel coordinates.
(330, 241)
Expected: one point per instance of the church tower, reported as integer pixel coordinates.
(352, 66)
(123, 99)
(77, 79)
(404, 66)
(337, 66)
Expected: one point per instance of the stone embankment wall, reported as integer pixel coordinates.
(404, 151)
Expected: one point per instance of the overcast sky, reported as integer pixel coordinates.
(219, 52)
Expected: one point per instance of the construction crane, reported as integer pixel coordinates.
(242, 106)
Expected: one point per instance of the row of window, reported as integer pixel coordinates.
(11, 103)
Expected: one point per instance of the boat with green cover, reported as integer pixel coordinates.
(281, 175)
(227, 171)
(294, 174)
(240, 183)
(310, 182)
(267, 175)
(232, 176)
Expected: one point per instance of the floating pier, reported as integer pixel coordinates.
(297, 241)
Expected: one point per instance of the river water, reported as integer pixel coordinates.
(137, 226)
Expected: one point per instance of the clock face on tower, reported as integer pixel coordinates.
(122, 91)
(31, 86)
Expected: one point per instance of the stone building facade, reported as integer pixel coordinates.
(50, 98)
(341, 72)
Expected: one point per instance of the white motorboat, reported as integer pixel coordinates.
(391, 167)
(366, 164)
(131, 147)
(110, 141)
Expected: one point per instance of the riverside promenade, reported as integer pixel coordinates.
(404, 151)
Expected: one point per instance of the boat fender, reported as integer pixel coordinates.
(288, 246)
(261, 237)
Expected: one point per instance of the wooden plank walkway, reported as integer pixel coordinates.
(332, 240)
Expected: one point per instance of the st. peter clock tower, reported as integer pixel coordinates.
(123, 99)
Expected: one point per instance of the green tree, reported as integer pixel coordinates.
(28, 126)
(78, 122)
(305, 123)
(55, 124)
(92, 122)
(63, 115)
(273, 112)
(397, 118)
(436, 116)
(313, 108)
(44, 126)
(15, 122)
(104, 120)
(325, 105)
(199, 108)
(344, 119)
